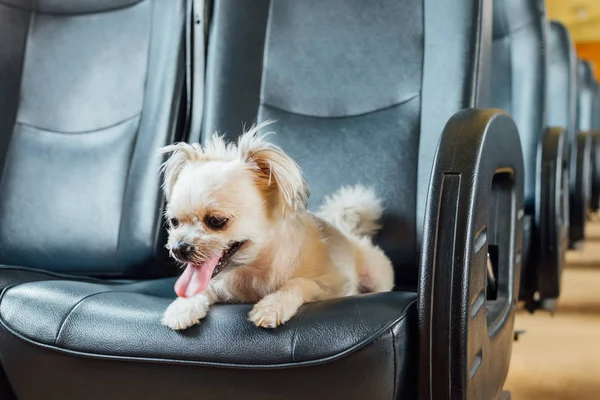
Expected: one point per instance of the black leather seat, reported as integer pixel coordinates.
(521, 86)
(358, 99)
(588, 88)
(90, 89)
(321, 132)
(561, 95)
(581, 201)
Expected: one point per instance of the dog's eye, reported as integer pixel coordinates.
(173, 222)
(216, 222)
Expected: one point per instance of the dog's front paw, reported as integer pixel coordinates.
(272, 311)
(185, 312)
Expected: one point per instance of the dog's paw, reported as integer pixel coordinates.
(271, 312)
(185, 312)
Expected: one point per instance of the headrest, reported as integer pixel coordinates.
(361, 51)
(512, 15)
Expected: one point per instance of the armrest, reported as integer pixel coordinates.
(581, 182)
(474, 215)
(595, 171)
(544, 259)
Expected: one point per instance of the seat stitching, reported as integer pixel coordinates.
(67, 14)
(404, 101)
(514, 30)
(106, 278)
(96, 130)
(294, 337)
(64, 321)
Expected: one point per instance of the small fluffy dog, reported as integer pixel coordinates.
(238, 222)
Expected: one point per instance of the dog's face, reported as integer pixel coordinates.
(216, 209)
(222, 202)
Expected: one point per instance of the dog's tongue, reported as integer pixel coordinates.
(195, 278)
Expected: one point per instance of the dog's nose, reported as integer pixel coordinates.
(182, 250)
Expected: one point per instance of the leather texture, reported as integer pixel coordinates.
(519, 76)
(90, 90)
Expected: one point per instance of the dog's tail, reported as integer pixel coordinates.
(354, 210)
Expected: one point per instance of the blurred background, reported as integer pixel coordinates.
(582, 17)
(558, 356)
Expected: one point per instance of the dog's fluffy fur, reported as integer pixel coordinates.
(289, 255)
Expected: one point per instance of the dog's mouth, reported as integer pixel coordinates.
(196, 277)
(226, 257)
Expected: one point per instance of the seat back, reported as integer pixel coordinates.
(596, 115)
(585, 95)
(355, 89)
(561, 99)
(519, 75)
(90, 89)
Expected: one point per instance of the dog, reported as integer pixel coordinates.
(238, 222)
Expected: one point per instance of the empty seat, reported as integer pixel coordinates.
(588, 122)
(355, 88)
(521, 86)
(582, 186)
(561, 96)
(90, 90)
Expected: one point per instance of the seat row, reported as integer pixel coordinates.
(470, 119)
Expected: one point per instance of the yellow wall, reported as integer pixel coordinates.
(582, 17)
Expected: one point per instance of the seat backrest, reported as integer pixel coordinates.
(586, 92)
(519, 75)
(89, 90)
(561, 99)
(360, 91)
(596, 116)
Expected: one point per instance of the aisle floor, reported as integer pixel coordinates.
(558, 358)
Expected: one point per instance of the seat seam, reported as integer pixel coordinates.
(514, 30)
(402, 102)
(91, 131)
(294, 337)
(66, 317)
(64, 276)
(394, 393)
(318, 361)
(75, 14)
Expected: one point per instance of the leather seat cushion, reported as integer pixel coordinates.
(86, 321)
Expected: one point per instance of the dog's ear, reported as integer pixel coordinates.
(181, 153)
(277, 174)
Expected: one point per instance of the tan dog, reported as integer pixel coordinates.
(238, 223)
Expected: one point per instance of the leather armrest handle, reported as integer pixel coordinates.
(542, 268)
(595, 171)
(581, 183)
(474, 210)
